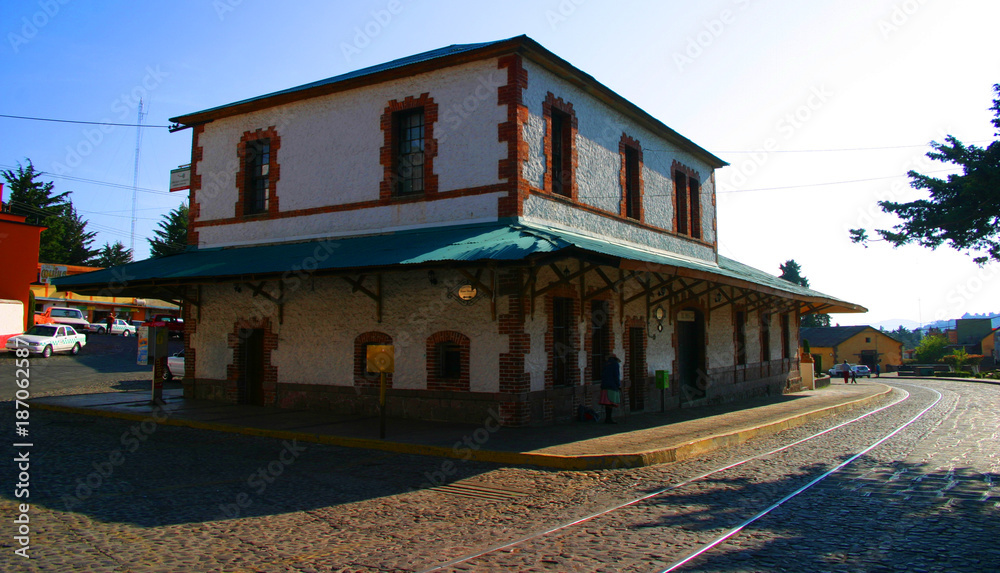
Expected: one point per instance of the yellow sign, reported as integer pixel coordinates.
(381, 358)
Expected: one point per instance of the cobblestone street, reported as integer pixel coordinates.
(112, 495)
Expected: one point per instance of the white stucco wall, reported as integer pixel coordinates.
(329, 153)
(323, 318)
(598, 176)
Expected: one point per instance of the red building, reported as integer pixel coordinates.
(19, 242)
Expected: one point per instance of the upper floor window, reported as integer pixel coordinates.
(257, 177)
(687, 202)
(409, 158)
(631, 177)
(559, 145)
(257, 159)
(409, 148)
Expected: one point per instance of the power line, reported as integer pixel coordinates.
(104, 183)
(82, 122)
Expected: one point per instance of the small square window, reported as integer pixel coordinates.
(868, 339)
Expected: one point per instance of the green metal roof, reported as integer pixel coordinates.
(502, 241)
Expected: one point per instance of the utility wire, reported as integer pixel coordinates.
(82, 122)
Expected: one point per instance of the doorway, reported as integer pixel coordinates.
(691, 375)
(637, 368)
(250, 386)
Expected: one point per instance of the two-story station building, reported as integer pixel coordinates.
(498, 216)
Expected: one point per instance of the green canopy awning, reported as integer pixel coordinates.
(499, 242)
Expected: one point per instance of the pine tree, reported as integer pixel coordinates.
(171, 237)
(113, 255)
(792, 272)
(66, 240)
(962, 210)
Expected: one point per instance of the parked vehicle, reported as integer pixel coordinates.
(862, 370)
(175, 325)
(118, 327)
(45, 339)
(63, 315)
(175, 366)
(837, 370)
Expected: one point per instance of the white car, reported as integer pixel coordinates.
(175, 366)
(45, 339)
(119, 326)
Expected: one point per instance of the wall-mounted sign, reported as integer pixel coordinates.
(685, 316)
(180, 178)
(467, 292)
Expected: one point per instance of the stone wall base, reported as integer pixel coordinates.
(543, 407)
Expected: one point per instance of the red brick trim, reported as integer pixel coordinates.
(434, 382)
(233, 371)
(617, 216)
(509, 132)
(194, 207)
(684, 198)
(573, 371)
(624, 144)
(362, 379)
(387, 154)
(273, 173)
(569, 166)
(469, 192)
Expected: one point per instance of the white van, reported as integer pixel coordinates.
(64, 315)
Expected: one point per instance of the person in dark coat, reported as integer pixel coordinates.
(611, 387)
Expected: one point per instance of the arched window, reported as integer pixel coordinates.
(448, 361)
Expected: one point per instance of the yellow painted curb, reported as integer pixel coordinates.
(579, 462)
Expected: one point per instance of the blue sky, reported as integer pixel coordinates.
(821, 107)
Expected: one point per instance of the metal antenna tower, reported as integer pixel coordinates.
(135, 173)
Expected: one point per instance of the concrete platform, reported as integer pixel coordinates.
(637, 440)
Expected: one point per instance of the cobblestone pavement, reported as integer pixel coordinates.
(111, 495)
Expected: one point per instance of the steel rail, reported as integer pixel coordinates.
(584, 519)
(676, 565)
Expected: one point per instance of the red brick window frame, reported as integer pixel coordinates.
(441, 348)
(687, 201)
(390, 151)
(631, 178)
(560, 142)
(234, 370)
(363, 378)
(247, 151)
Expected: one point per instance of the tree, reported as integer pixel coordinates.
(909, 338)
(962, 211)
(792, 272)
(931, 349)
(113, 255)
(66, 240)
(171, 237)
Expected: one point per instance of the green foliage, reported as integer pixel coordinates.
(955, 374)
(931, 349)
(792, 272)
(66, 240)
(171, 237)
(962, 211)
(113, 255)
(909, 338)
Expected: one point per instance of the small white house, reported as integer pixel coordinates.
(498, 216)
